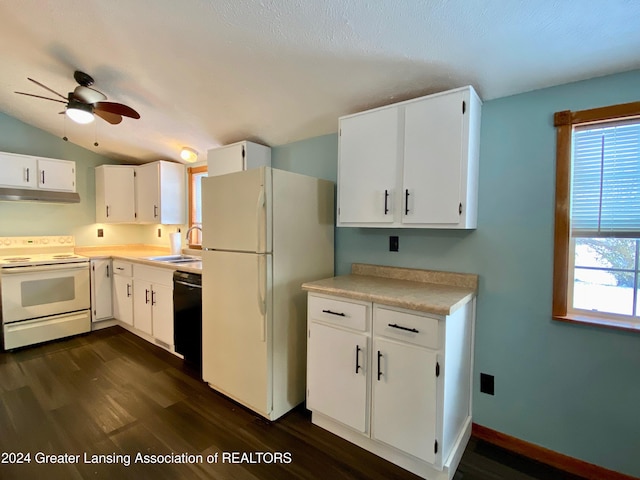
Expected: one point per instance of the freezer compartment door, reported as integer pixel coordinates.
(236, 211)
(236, 327)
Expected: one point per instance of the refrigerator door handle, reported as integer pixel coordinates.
(259, 223)
(262, 293)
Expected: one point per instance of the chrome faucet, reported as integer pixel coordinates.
(194, 227)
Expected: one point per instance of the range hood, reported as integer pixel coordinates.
(36, 195)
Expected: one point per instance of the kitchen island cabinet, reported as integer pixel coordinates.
(389, 363)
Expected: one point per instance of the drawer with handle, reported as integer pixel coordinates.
(407, 327)
(122, 268)
(348, 314)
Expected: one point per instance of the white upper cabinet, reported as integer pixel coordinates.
(160, 193)
(59, 175)
(19, 171)
(237, 157)
(150, 193)
(368, 167)
(115, 194)
(411, 165)
(24, 171)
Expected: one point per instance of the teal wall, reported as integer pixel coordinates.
(32, 218)
(572, 389)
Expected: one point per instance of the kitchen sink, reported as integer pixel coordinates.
(175, 258)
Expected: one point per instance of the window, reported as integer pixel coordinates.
(195, 204)
(597, 230)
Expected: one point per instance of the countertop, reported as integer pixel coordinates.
(138, 254)
(429, 291)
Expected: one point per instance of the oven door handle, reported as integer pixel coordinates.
(44, 268)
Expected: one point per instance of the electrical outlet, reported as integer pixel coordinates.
(159, 232)
(394, 243)
(487, 384)
(100, 232)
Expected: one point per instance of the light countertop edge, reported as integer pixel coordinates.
(137, 254)
(431, 294)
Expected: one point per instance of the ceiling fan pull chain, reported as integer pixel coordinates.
(64, 128)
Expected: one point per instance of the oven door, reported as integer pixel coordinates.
(43, 290)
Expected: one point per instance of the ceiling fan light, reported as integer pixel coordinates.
(188, 154)
(79, 114)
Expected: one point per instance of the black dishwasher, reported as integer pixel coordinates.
(187, 317)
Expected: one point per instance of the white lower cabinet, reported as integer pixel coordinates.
(123, 291)
(101, 289)
(163, 314)
(153, 302)
(339, 388)
(404, 398)
(393, 381)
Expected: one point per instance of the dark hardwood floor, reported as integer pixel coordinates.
(111, 393)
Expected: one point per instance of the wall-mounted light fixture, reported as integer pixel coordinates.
(188, 154)
(79, 112)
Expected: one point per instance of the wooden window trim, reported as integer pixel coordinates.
(564, 122)
(191, 171)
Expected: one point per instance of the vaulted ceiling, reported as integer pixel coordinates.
(205, 73)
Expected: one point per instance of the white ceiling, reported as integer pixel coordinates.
(205, 73)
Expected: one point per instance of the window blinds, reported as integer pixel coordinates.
(605, 190)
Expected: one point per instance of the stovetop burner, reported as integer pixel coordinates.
(31, 251)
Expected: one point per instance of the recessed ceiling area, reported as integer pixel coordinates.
(205, 73)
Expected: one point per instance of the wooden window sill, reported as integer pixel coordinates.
(599, 322)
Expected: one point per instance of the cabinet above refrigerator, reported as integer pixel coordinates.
(237, 157)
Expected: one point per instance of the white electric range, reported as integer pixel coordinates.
(44, 290)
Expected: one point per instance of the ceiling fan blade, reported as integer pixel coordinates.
(112, 118)
(40, 96)
(46, 88)
(118, 108)
(88, 95)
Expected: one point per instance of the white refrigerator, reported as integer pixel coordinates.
(264, 233)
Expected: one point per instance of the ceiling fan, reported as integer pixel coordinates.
(85, 102)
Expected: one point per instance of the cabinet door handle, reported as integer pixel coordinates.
(128, 290)
(27, 174)
(330, 312)
(386, 202)
(43, 177)
(119, 268)
(146, 295)
(107, 207)
(379, 362)
(155, 211)
(406, 201)
(400, 327)
(107, 271)
(358, 367)
(153, 297)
